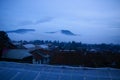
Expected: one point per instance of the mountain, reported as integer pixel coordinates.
(21, 31)
(65, 32)
(28, 34)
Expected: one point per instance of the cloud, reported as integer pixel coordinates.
(43, 20)
(26, 22)
(115, 25)
(21, 31)
(46, 19)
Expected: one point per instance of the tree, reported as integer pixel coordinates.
(5, 42)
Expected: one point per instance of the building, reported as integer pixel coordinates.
(40, 56)
(17, 55)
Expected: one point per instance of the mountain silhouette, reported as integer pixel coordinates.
(65, 32)
(21, 31)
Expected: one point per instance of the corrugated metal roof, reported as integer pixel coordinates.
(16, 54)
(19, 71)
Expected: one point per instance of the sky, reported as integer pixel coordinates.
(97, 21)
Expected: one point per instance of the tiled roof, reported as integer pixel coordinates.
(20, 71)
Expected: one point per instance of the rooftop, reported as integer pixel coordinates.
(16, 54)
(20, 71)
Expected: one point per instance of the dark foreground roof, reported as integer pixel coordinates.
(20, 71)
(16, 54)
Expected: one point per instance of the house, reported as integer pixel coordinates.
(17, 55)
(40, 56)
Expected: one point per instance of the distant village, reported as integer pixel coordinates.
(59, 53)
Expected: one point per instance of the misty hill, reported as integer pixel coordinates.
(21, 31)
(65, 32)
